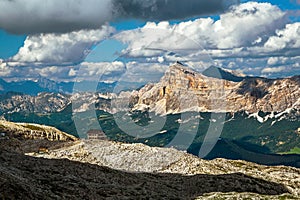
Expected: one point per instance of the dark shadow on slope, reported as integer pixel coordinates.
(252, 87)
(23, 177)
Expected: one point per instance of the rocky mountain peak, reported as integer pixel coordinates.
(181, 76)
(178, 90)
(179, 67)
(183, 89)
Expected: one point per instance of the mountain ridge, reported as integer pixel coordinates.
(209, 94)
(181, 89)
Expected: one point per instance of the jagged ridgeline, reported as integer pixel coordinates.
(261, 122)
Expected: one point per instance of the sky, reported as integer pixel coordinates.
(136, 40)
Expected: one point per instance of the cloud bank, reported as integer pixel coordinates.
(254, 38)
(246, 25)
(52, 16)
(35, 16)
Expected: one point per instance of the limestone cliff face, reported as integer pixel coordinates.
(182, 89)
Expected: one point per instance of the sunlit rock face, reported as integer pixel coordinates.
(182, 89)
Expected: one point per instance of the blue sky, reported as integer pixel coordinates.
(10, 44)
(39, 56)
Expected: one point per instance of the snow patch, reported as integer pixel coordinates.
(256, 116)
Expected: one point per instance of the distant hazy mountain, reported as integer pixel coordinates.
(35, 87)
(13, 102)
(216, 72)
(45, 85)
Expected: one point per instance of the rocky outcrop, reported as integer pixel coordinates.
(24, 137)
(182, 89)
(33, 131)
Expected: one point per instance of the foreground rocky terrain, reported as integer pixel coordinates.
(95, 169)
(24, 177)
(139, 158)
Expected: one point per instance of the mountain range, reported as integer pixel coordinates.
(260, 116)
(42, 85)
(181, 89)
(30, 87)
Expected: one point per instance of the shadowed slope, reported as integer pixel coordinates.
(23, 177)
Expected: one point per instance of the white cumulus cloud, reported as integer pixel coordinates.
(245, 25)
(288, 38)
(60, 48)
